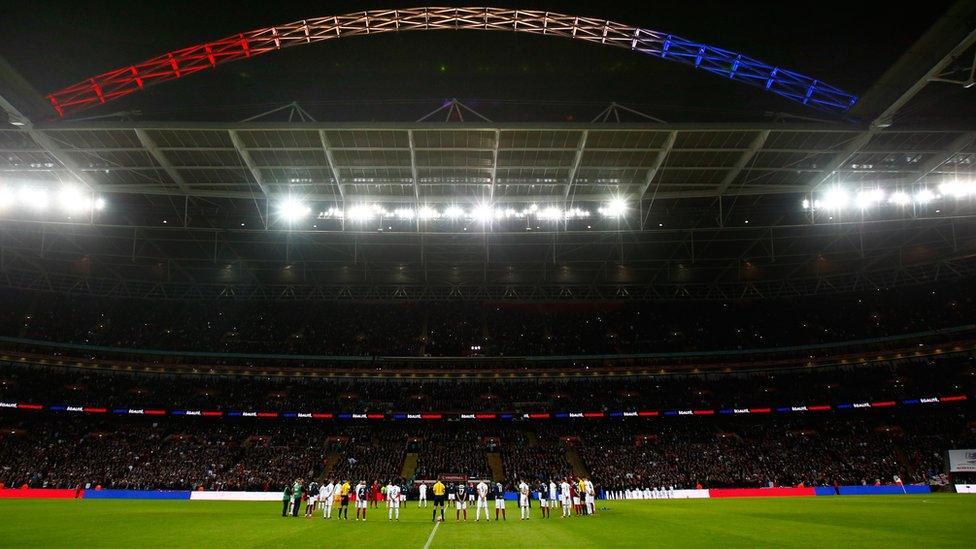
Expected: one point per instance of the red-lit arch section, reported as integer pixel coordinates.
(112, 85)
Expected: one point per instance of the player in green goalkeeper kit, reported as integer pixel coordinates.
(285, 500)
(296, 497)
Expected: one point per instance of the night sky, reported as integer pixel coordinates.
(507, 76)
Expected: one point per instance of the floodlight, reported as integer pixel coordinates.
(550, 213)
(33, 198)
(868, 198)
(900, 198)
(958, 189)
(836, 198)
(73, 200)
(292, 209)
(924, 196)
(332, 213)
(360, 212)
(615, 208)
(7, 198)
(453, 212)
(426, 212)
(482, 213)
(404, 213)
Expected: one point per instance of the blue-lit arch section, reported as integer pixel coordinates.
(123, 81)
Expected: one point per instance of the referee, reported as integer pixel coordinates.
(438, 490)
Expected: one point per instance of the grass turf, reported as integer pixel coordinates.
(881, 521)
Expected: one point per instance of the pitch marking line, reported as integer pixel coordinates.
(430, 538)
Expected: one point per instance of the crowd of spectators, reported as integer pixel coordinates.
(532, 457)
(491, 329)
(225, 454)
(367, 453)
(456, 451)
(727, 453)
(84, 452)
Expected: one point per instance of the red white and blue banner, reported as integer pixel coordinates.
(504, 416)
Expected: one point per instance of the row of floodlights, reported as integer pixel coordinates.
(294, 209)
(838, 198)
(68, 199)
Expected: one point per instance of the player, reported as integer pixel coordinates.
(481, 501)
(344, 491)
(296, 496)
(472, 493)
(589, 496)
(313, 499)
(499, 500)
(362, 499)
(438, 489)
(461, 503)
(523, 490)
(451, 495)
(285, 500)
(543, 500)
(566, 497)
(422, 501)
(577, 490)
(553, 495)
(375, 494)
(326, 493)
(393, 500)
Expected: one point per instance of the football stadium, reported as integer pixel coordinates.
(558, 274)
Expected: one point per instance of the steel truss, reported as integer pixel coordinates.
(824, 285)
(705, 263)
(120, 82)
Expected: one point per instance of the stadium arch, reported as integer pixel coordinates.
(173, 65)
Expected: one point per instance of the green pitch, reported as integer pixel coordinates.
(881, 521)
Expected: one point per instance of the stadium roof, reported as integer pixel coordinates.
(456, 162)
(712, 208)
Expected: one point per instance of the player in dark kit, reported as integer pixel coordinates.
(543, 500)
(362, 499)
(499, 490)
(461, 504)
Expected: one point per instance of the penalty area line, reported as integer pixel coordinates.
(430, 538)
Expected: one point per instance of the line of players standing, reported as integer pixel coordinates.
(334, 493)
(574, 497)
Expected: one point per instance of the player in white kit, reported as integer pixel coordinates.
(481, 502)
(564, 495)
(553, 495)
(523, 489)
(325, 498)
(422, 502)
(589, 496)
(393, 500)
